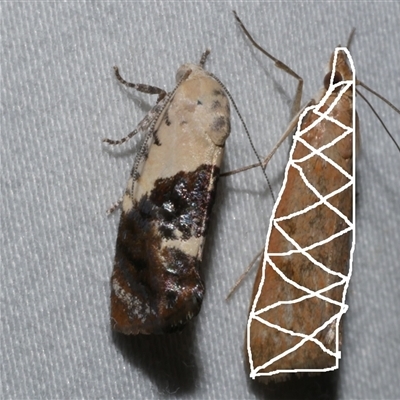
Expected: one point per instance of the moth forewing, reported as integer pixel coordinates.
(155, 285)
(299, 293)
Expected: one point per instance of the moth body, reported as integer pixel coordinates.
(299, 292)
(155, 285)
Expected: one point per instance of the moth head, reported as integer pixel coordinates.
(339, 69)
(189, 71)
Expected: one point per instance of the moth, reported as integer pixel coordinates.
(156, 286)
(294, 323)
(298, 299)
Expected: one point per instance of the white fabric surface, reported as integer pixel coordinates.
(60, 98)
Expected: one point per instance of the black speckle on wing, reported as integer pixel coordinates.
(218, 92)
(161, 286)
(215, 105)
(156, 138)
(219, 123)
(184, 202)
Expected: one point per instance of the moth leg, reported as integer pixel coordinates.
(204, 58)
(296, 107)
(123, 140)
(249, 267)
(279, 64)
(114, 206)
(140, 87)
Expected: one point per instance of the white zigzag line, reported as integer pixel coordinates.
(323, 200)
(306, 338)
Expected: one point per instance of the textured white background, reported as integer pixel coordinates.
(59, 98)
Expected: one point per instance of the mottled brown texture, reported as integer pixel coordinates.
(163, 283)
(306, 229)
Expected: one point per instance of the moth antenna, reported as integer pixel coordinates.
(360, 83)
(142, 151)
(203, 58)
(241, 278)
(248, 136)
(391, 105)
(350, 39)
(377, 115)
